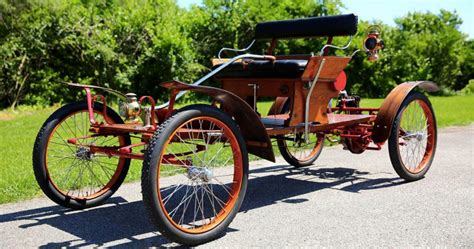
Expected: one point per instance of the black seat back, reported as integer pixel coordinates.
(341, 25)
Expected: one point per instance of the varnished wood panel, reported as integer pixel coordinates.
(322, 93)
(217, 61)
(331, 69)
(297, 105)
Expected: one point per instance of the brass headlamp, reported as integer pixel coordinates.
(373, 43)
(130, 109)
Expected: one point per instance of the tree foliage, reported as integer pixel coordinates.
(134, 45)
(423, 46)
(128, 46)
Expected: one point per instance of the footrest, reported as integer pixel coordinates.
(275, 120)
(347, 119)
(335, 121)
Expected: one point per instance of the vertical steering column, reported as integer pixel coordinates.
(308, 98)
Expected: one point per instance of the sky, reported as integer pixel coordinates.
(387, 10)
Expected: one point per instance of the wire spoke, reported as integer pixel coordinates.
(75, 171)
(195, 203)
(415, 135)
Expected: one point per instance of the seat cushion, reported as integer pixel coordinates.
(263, 69)
(341, 25)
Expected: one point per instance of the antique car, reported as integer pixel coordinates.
(196, 158)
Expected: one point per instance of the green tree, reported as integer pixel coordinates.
(129, 46)
(423, 46)
(432, 47)
(134, 45)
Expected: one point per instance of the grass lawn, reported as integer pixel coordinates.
(18, 132)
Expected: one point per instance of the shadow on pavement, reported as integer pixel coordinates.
(267, 190)
(126, 224)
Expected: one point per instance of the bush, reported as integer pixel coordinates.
(423, 46)
(134, 45)
(125, 46)
(468, 89)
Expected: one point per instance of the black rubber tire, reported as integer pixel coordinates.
(348, 144)
(393, 140)
(289, 158)
(40, 167)
(150, 170)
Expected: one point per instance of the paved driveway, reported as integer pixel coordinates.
(343, 200)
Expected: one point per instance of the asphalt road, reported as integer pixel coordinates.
(344, 200)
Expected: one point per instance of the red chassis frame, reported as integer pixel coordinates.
(361, 126)
(346, 122)
(108, 129)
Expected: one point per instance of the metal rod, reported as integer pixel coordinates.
(306, 110)
(116, 93)
(336, 47)
(355, 52)
(235, 49)
(215, 71)
(90, 105)
(255, 87)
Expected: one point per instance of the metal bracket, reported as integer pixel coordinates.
(336, 47)
(255, 88)
(235, 49)
(308, 98)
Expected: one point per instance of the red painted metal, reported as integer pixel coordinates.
(75, 139)
(90, 105)
(115, 151)
(153, 114)
(117, 129)
(340, 82)
(170, 159)
(128, 149)
(248, 120)
(357, 126)
(355, 109)
(173, 94)
(392, 103)
(104, 107)
(349, 124)
(336, 122)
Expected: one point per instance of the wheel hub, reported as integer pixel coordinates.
(84, 154)
(203, 174)
(419, 136)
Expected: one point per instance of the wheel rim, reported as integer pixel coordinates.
(205, 195)
(416, 136)
(72, 169)
(301, 151)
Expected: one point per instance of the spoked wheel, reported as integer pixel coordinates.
(189, 193)
(294, 148)
(70, 173)
(297, 151)
(412, 141)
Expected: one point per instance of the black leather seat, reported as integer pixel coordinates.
(307, 27)
(341, 25)
(263, 69)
